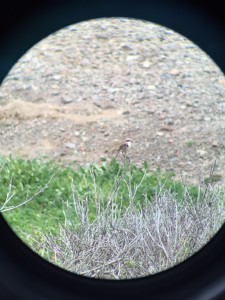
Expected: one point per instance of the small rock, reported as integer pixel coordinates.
(189, 104)
(84, 138)
(201, 153)
(169, 122)
(62, 154)
(159, 133)
(174, 72)
(77, 133)
(57, 77)
(103, 104)
(66, 100)
(195, 104)
(97, 104)
(108, 106)
(102, 36)
(214, 144)
(150, 111)
(140, 38)
(55, 93)
(151, 87)
(70, 145)
(222, 81)
(166, 128)
(146, 64)
(207, 119)
(126, 112)
(135, 102)
(126, 47)
(162, 117)
(131, 58)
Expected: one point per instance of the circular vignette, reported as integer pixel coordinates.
(25, 275)
(123, 55)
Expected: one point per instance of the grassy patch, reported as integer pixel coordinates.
(109, 220)
(25, 178)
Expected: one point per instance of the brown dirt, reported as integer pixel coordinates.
(77, 94)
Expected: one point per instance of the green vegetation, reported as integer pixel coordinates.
(25, 178)
(109, 220)
(190, 143)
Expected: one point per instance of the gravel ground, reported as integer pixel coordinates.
(78, 93)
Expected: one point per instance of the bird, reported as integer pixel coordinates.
(124, 147)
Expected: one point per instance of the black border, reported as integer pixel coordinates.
(23, 274)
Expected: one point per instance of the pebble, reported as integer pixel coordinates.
(126, 112)
(202, 153)
(151, 87)
(174, 71)
(169, 122)
(103, 104)
(57, 77)
(146, 64)
(85, 138)
(214, 144)
(77, 133)
(207, 119)
(70, 145)
(132, 58)
(159, 133)
(166, 128)
(102, 36)
(150, 111)
(66, 100)
(126, 47)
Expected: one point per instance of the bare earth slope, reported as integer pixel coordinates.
(77, 94)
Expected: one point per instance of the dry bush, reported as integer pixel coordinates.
(138, 240)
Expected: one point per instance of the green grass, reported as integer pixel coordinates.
(190, 143)
(46, 209)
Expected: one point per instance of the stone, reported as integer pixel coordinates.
(201, 153)
(166, 128)
(159, 133)
(151, 87)
(214, 144)
(131, 58)
(102, 36)
(126, 47)
(169, 122)
(126, 112)
(66, 99)
(70, 145)
(77, 133)
(84, 138)
(146, 64)
(174, 72)
(207, 119)
(150, 111)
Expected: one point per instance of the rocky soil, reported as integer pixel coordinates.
(81, 91)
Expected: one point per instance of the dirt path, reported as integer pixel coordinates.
(77, 94)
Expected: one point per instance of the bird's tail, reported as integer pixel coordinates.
(115, 150)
